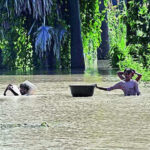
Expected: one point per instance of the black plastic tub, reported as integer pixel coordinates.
(82, 90)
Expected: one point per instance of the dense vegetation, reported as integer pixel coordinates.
(129, 36)
(64, 34)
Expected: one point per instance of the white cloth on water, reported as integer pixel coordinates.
(32, 87)
(15, 88)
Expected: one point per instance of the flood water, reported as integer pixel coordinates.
(54, 120)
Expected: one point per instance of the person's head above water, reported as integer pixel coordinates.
(24, 89)
(128, 73)
(128, 70)
(27, 88)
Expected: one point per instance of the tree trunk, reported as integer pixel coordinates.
(114, 2)
(51, 60)
(77, 58)
(104, 46)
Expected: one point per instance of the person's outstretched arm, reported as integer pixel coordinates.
(10, 88)
(118, 85)
(16, 94)
(6, 89)
(121, 75)
(101, 88)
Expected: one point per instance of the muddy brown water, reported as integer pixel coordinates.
(54, 120)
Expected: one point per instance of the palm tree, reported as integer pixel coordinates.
(77, 58)
(45, 35)
(48, 42)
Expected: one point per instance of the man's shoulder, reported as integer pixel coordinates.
(121, 82)
(134, 81)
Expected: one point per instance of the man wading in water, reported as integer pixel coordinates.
(26, 88)
(128, 86)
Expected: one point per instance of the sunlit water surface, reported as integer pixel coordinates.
(54, 120)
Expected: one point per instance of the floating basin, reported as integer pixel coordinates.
(82, 90)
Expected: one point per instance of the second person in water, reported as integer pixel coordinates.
(26, 88)
(127, 85)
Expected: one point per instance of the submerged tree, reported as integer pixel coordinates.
(103, 50)
(77, 58)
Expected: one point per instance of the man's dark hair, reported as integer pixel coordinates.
(24, 86)
(128, 70)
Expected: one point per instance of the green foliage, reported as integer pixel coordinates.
(117, 35)
(117, 54)
(136, 54)
(16, 48)
(66, 53)
(138, 18)
(91, 34)
(7, 54)
(128, 62)
(140, 53)
(23, 49)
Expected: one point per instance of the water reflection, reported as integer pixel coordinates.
(34, 72)
(94, 71)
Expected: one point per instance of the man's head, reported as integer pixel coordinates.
(24, 89)
(128, 73)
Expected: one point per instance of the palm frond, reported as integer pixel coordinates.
(44, 37)
(57, 37)
(38, 8)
